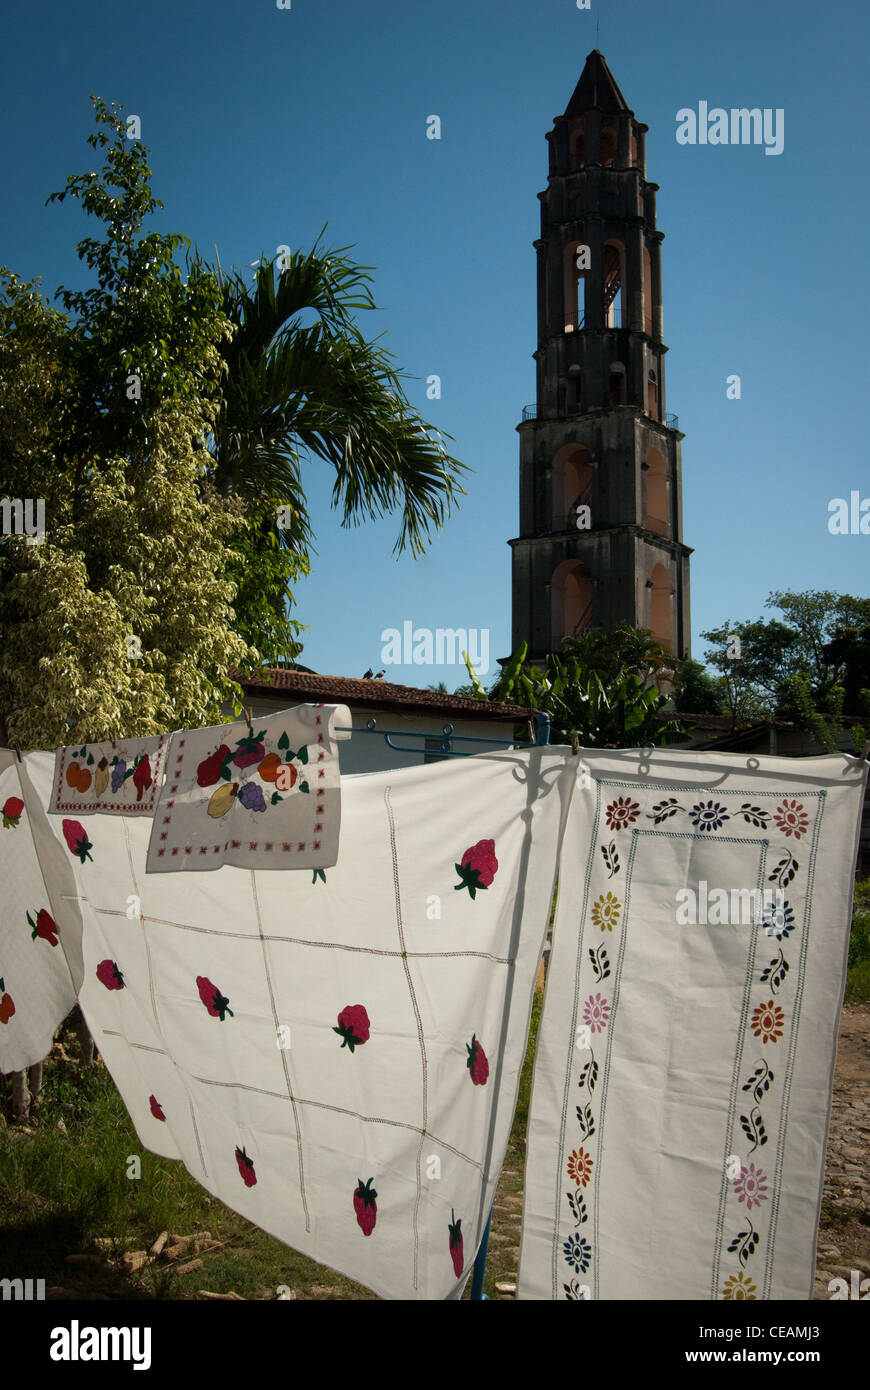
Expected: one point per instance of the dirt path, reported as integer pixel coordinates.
(844, 1229)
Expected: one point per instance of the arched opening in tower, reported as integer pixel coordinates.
(661, 606)
(572, 600)
(574, 289)
(655, 494)
(572, 486)
(614, 284)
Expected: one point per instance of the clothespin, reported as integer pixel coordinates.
(865, 751)
(246, 711)
(18, 753)
(575, 742)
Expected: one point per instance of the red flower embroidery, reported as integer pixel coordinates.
(791, 818)
(622, 812)
(12, 809)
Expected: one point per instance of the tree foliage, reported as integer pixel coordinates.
(600, 688)
(817, 658)
(136, 535)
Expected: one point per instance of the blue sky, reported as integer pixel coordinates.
(264, 124)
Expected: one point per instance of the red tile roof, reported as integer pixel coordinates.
(377, 695)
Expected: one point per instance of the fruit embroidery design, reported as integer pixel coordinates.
(477, 868)
(455, 1229)
(109, 975)
(12, 809)
(108, 777)
(246, 1167)
(217, 1004)
(156, 1108)
(7, 1008)
(365, 1206)
(276, 770)
(353, 1026)
(478, 1066)
(77, 841)
(44, 927)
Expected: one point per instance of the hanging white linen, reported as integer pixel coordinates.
(336, 1053)
(684, 1065)
(37, 990)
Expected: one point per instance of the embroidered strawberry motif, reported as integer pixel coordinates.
(477, 1064)
(353, 1026)
(44, 927)
(216, 1003)
(246, 1167)
(7, 1008)
(250, 749)
(478, 867)
(156, 1108)
(142, 776)
(209, 769)
(455, 1229)
(77, 839)
(109, 975)
(365, 1206)
(12, 809)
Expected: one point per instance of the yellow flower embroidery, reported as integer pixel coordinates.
(605, 912)
(739, 1288)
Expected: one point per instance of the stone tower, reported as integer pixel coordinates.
(600, 472)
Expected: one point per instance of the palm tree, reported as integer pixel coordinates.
(320, 388)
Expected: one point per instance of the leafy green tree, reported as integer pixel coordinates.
(822, 639)
(699, 693)
(137, 537)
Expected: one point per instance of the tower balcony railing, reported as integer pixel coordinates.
(574, 321)
(530, 412)
(672, 422)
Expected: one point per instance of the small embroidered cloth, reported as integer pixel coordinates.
(114, 779)
(260, 796)
(684, 1063)
(36, 989)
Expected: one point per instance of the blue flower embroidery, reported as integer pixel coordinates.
(578, 1253)
(778, 921)
(708, 817)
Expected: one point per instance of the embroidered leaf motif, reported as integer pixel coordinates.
(225, 773)
(600, 962)
(585, 1120)
(755, 815)
(303, 787)
(273, 798)
(589, 1075)
(760, 1081)
(578, 1293)
(745, 1242)
(90, 757)
(753, 1127)
(775, 972)
(302, 755)
(284, 741)
(611, 858)
(578, 1208)
(663, 809)
(784, 871)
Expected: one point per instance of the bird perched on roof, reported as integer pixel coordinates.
(368, 675)
(380, 675)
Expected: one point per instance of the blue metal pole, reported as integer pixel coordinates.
(480, 1264)
(543, 735)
